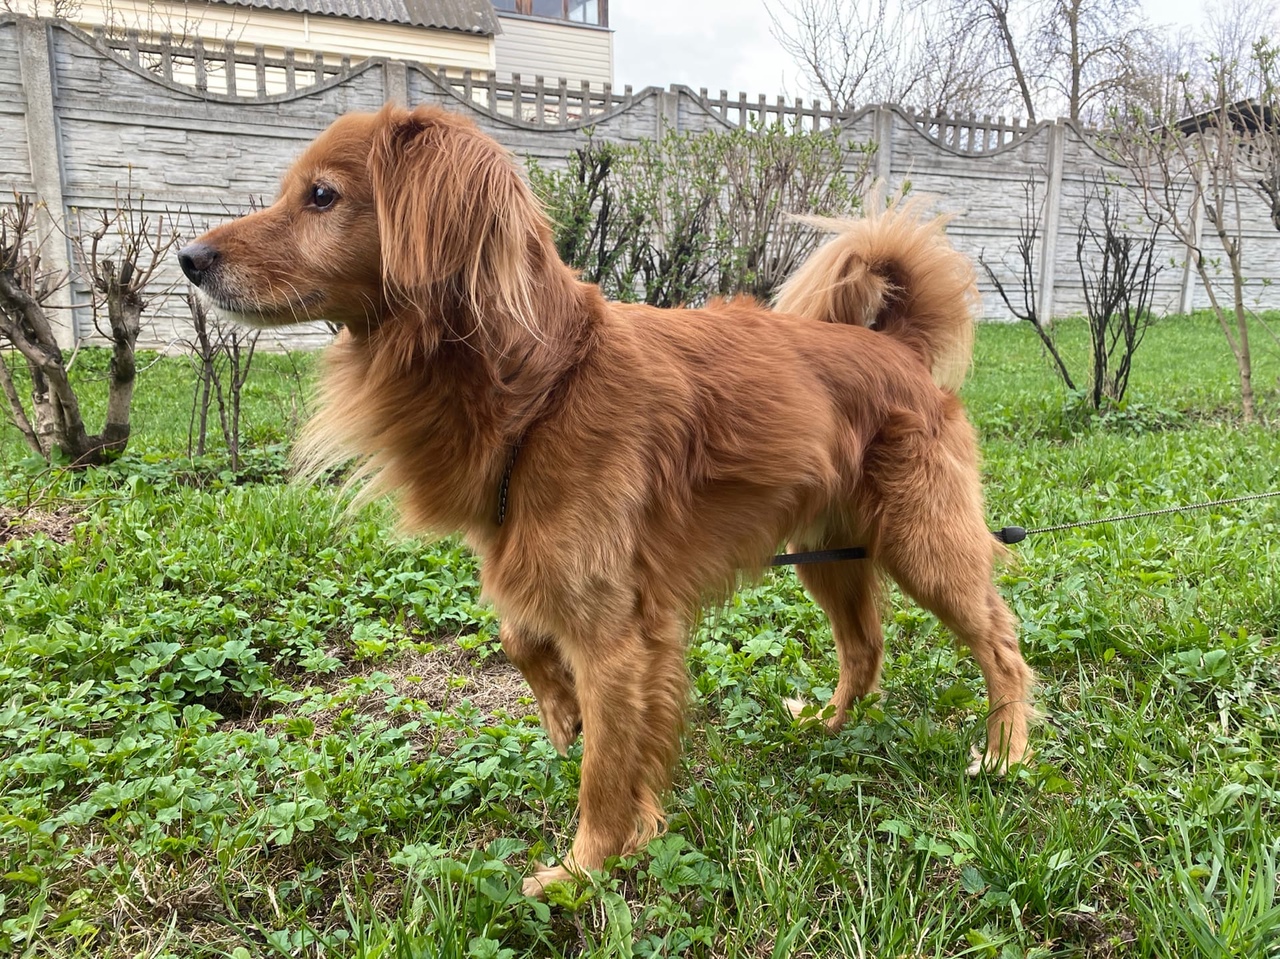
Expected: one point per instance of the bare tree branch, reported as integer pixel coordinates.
(1040, 58)
(1194, 165)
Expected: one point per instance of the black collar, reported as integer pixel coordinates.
(538, 410)
(505, 485)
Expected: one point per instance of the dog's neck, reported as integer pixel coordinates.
(516, 362)
(438, 395)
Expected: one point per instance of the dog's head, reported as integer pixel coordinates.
(382, 212)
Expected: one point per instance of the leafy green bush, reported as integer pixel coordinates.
(692, 216)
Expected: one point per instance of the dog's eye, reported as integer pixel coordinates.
(322, 197)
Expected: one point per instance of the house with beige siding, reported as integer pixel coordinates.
(555, 39)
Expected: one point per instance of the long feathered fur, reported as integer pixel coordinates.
(644, 456)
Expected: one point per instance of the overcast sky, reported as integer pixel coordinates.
(726, 44)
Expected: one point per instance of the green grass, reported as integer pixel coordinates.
(235, 722)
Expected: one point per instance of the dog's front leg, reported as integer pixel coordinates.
(551, 680)
(631, 687)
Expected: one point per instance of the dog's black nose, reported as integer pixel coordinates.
(196, 260)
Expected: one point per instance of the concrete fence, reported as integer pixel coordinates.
(201, 131)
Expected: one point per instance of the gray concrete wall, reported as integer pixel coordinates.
(15, 153)
(105, 119)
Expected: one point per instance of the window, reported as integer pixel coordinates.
(584, 11)
(594, 12)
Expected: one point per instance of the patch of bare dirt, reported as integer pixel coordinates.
(450, 674)
(440, 678)
(1101, 937)
(16, 524)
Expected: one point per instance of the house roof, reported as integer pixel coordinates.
(468, 16)
(1247, 116)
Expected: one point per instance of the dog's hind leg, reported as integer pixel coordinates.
(848, 592)
(551, 680)
(632, 687)
(978, 616)
(933, 539)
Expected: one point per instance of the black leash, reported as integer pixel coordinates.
(819, 556)
(1013, 534)
(1150, 512)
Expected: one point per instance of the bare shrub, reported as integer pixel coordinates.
(1118, 271)
(222, 355)
(1019, 293)
(121, 252)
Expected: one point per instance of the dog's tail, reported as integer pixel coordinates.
(895, 272)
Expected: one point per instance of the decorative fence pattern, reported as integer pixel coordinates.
(970, 135)
(205, 129)
(537, 103)
(219, 71)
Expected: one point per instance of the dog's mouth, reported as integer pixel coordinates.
(251, 311)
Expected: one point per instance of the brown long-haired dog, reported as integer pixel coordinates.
(614, 465)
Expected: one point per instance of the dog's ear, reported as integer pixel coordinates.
(451, 207)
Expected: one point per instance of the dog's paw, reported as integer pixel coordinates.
(996, 764)
(562, 724)
(535, 886)
(801, 711)
(808, 714)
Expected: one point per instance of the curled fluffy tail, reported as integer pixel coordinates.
(895, 272)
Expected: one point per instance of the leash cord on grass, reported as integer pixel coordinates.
(1014, 534)
(1152, 512)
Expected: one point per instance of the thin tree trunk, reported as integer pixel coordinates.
(126, 321)
(1239, 350)
(1006, 34)
(1244, 360)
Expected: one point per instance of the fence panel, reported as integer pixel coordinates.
(203, 129)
